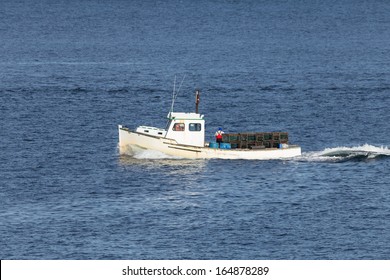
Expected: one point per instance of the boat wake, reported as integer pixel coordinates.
(341, 154)
(150, 154)
(139, 153)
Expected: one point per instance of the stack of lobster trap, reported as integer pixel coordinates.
(258, 140)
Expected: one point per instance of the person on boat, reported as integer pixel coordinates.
(218, 136)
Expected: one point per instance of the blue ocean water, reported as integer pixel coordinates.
(71, 71)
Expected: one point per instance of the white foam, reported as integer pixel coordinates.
(151, 154)
(345, 153)
(139, 153)
(364, 148)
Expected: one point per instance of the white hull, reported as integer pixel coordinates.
(134, 140)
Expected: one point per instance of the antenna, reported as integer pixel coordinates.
(174, 96)
(182, 80)
(175, 93)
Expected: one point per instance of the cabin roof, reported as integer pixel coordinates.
(185, 116)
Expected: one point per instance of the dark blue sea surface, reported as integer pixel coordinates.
(71, 71)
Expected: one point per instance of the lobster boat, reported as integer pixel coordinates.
(184, 137)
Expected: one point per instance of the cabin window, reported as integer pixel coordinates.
(195, 127)
(179, 127)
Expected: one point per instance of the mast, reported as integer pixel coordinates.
(197, 100)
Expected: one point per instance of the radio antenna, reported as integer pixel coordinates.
(175, 93)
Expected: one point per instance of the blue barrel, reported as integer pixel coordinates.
(213, 145)
(225, 146)
(282, 146)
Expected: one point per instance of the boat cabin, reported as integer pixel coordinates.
(184, 128)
